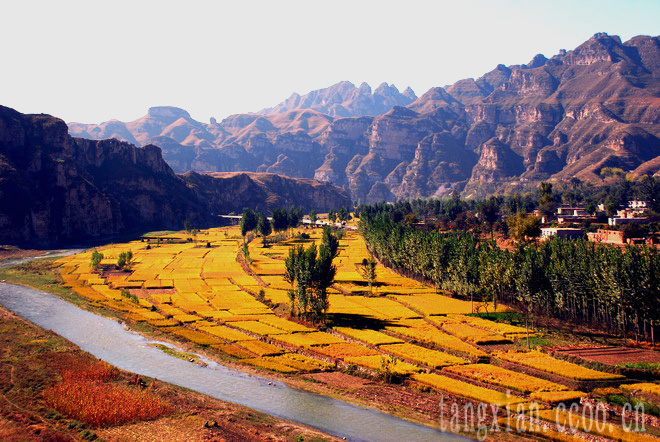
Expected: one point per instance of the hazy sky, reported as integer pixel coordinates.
(90, 60)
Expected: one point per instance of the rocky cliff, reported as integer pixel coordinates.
(550, 119)
(56, 189)
(226, 192)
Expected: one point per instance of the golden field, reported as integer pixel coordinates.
(205, 295)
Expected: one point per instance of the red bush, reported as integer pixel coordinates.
(89, 370)
(85, 394)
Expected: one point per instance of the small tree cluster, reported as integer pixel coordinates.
(523, 227)
(125, 260)
(368, 272)
(343, 214)
(310, 272)
(97, 257)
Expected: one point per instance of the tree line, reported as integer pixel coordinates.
(484, 215)
(603, 286)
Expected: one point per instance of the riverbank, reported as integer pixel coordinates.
(32, 360)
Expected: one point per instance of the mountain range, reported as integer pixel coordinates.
(570, 115)
(57, 189)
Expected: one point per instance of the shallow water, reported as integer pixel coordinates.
(107, 339)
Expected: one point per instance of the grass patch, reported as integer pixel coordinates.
(161, 233)
(621, 400)
(649, 366)
(534, 341)
(190, 357)
(39, 274)
(514, 318)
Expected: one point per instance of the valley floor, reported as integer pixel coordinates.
(199, 294)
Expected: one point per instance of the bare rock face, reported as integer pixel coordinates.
(56, 189)
(441, 164)
(549, 119)
(225, 192)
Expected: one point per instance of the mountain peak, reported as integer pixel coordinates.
(409, 93)
(343, 99)
(168, 112)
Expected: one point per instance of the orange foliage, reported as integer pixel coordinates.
(85, 394)
(89, 370)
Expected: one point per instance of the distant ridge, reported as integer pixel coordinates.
(345, 100)
(552, 118)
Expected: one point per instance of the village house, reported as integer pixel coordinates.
(561, 232)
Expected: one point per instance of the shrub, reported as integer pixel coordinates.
(97, 257)
(124, 260)
(96, 403)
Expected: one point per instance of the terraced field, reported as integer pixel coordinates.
(205, 295)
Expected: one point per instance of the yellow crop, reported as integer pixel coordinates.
(492, 374)
(226, 333)
(474, 334)
(261, 348)
(432, 358)
(644, 387)
(284, 324)
(420, 330)
(301, 362)
(496, 327)
(270, 364)
(308, 339)
(464, 389)
(194, 336)
(234, 351)
(347, 349)
(547, 363)
(372, 337)
(258, 328)
(376, 363)
(186, 318)
(555, 397)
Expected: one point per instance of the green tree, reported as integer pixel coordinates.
(312, 218)
(248, 222)
(332, 216)
(547, 201)
(343, 214)
(246, 253)
(489, 211)
(295, 216)
(187, 226)
(590, 208)
(124, 260)
(523, 227)
(97, 257)
(611, 207)
(310, 272)
(280, 220)
(264, 227)
(368, 272)
(649, 191)
(330, 241)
